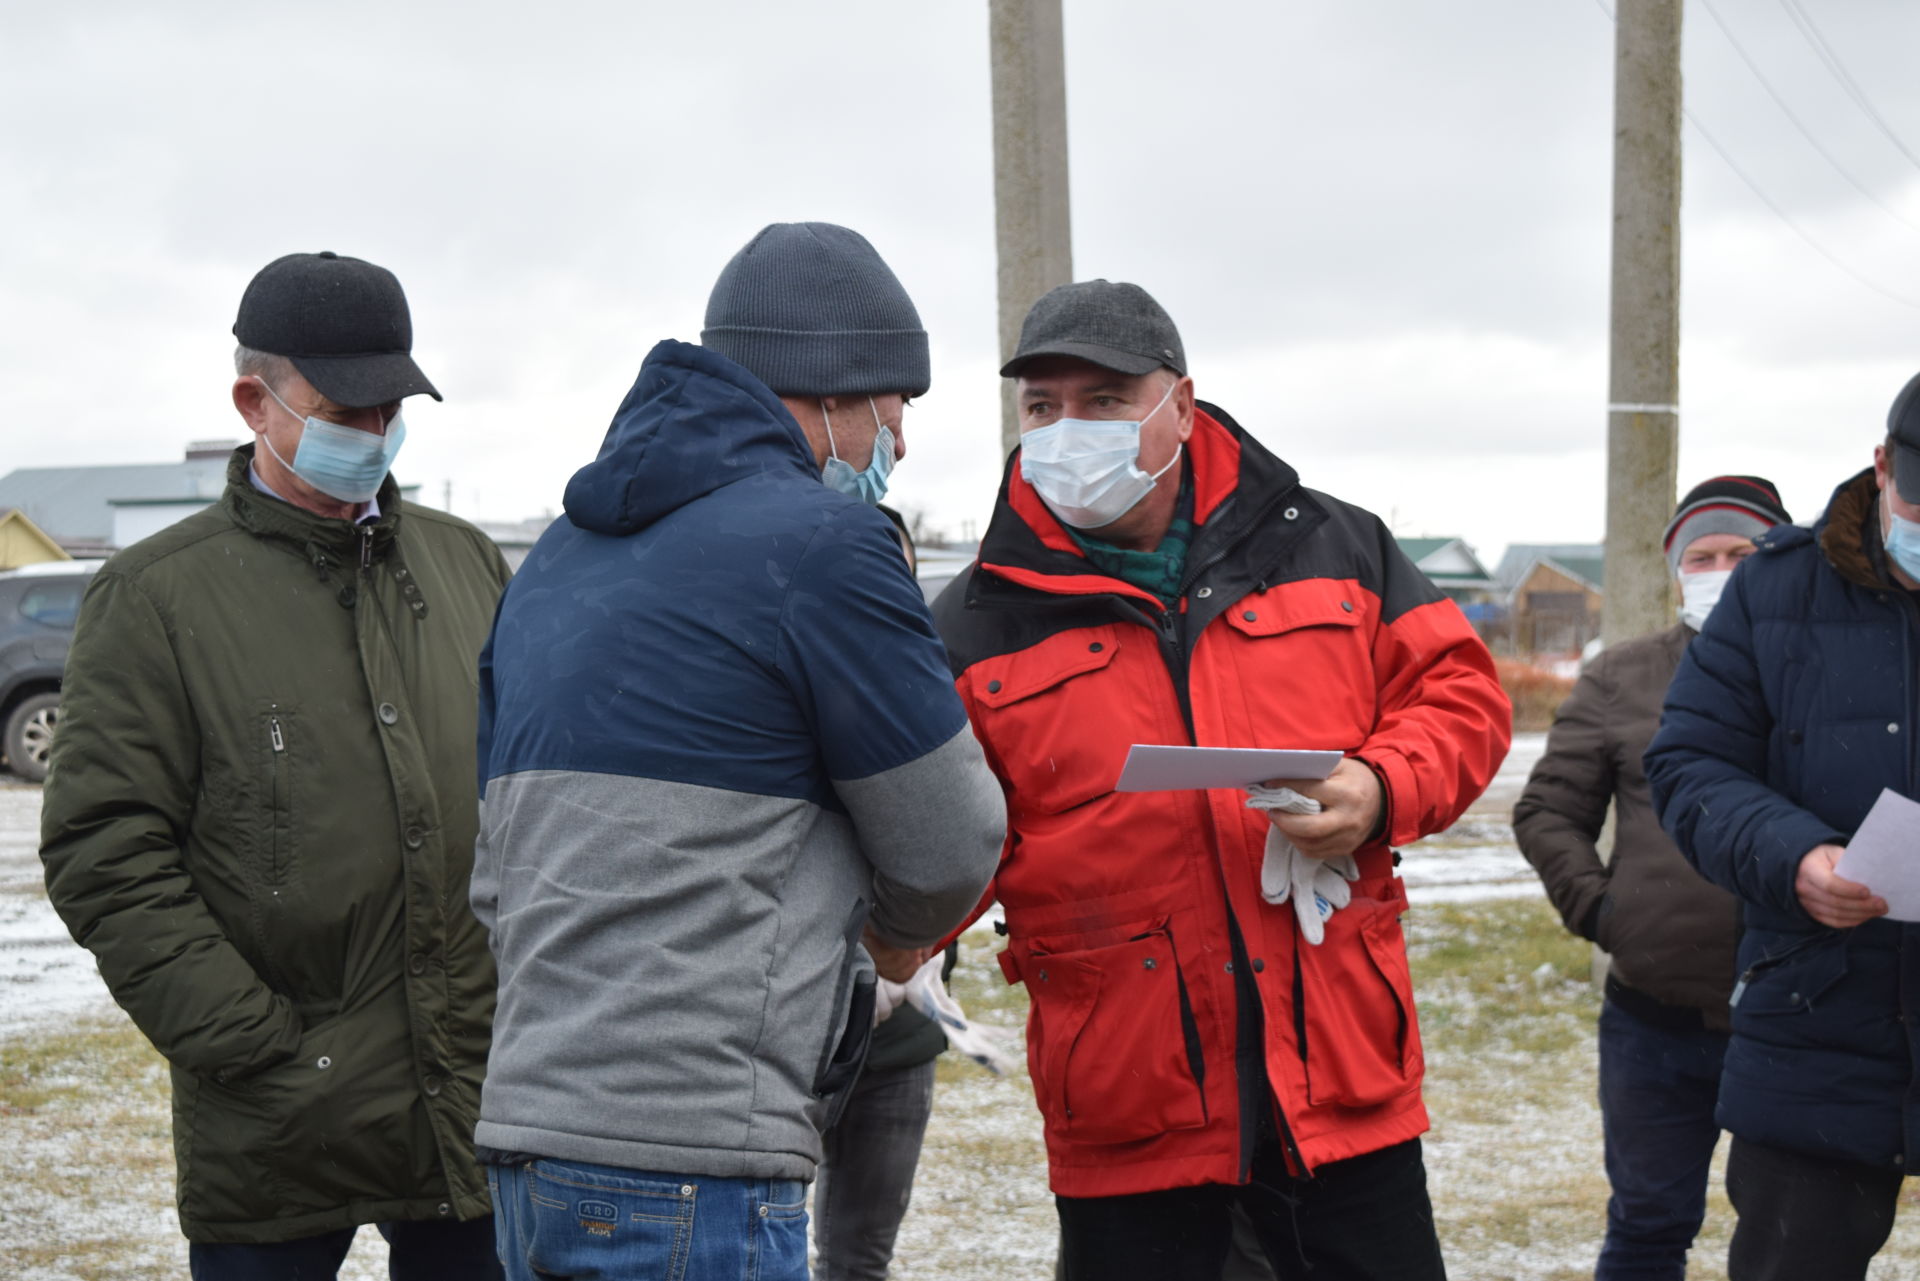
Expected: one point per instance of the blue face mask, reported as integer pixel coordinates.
(869, 486)
(1903, 542)
(341, 462)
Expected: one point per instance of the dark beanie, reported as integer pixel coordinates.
(1743, 505)
(811, 310)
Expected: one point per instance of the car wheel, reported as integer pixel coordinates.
(30, 735)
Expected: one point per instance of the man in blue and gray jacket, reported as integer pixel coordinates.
(718, 747)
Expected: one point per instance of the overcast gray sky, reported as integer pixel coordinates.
(1382, 226)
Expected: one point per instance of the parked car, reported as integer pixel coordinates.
(38, 604)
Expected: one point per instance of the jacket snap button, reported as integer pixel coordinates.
(443, 1209)
(1250, 616)
(1229, 967)
(1347, 605)
(1259, 966)
(993, 687)
(1794, 999)
(415, 838)
(1893, 727)
(432, 1086)
(323, 1062)
(389, 713)
(1146, 963)
(686, 1189)
(763, 1211)
(1095, 648)
(417, 963)
(1204, 592)
(1291, 513)
(1043, 976)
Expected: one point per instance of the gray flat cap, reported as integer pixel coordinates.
(1113, 325)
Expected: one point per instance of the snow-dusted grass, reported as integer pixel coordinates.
(1507, 1012)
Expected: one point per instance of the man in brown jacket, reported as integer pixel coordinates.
(1670, 934)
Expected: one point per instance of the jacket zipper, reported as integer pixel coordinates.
(366, 550)
(1175, 657)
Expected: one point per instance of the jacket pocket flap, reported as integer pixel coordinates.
(1796, 984)
(1008, 679)
(1316, 602)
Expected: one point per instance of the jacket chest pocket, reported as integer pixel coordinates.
(1113, 1043)
(1060, 716)
(1303, 663)
(277, 734)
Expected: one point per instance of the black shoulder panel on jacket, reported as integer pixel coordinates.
(1354, 543)
(981, 616)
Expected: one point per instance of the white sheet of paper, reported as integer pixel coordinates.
(1152, 768)
(1884, 855)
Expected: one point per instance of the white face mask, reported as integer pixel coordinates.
(1699, 593)
(1087, 469)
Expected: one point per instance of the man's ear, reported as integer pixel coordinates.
(250, 398)
(1183, 406)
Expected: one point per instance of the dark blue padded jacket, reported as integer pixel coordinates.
(1797, 704)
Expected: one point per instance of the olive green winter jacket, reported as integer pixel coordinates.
(260, 819)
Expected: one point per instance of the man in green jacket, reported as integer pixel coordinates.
(261, 811)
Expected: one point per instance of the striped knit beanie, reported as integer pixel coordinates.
(1743, 505)
(811, 310)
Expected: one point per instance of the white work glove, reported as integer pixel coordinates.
(887, 996)
(1318, 886)
(986, 1046)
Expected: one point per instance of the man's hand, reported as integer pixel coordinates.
(1350, 800)
(1832, 899)
(897, 964)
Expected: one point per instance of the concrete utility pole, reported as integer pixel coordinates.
(1035, 238)
(1643, 413)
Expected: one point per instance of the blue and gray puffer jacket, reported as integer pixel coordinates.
(1794, 707)
(717, 739)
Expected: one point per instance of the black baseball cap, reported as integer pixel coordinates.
(1114, 325)
(342, 322)
(1903, 424)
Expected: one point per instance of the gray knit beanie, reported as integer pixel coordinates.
(811, 310)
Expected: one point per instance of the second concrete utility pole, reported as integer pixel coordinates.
(1643, 410)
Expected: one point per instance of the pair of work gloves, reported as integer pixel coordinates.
(987, 1046)
(1317, 887)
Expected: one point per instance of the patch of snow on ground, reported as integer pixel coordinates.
(44, 975)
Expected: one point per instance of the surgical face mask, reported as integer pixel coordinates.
(1903, 542)
(1699, 593)
(869, 486)
(341, 462)
(1087, 470)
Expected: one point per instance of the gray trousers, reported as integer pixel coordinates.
(866, 1174)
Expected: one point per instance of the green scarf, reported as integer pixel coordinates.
(1157, 571)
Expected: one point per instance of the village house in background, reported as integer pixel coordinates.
(24, 543)
(1553, 593)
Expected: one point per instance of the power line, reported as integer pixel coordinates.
(1799, 124)
(1777, 211)
(1811, 34)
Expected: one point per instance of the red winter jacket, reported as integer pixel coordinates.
(1162, 984)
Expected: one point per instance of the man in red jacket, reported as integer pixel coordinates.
(1152, 574)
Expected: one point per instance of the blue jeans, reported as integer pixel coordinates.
(571, 1219)
(1658, 1086)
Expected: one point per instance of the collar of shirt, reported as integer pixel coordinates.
(369, 511)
